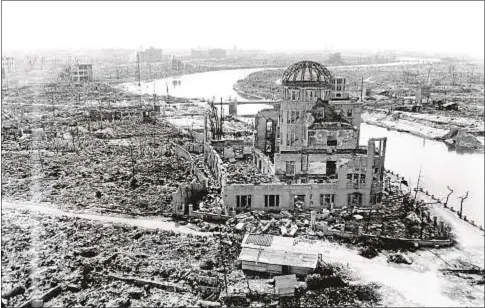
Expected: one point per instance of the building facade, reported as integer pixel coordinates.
(310, 141)
(82, 73)
(216, 53)
(8, 64)
(151, 55)
(177, 65)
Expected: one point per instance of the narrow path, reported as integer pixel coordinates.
(149, 223)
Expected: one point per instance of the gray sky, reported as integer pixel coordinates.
(449, 27)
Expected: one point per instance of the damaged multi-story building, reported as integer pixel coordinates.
(81, 73)
(308, 145)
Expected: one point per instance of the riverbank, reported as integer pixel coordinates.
(429, 126)
(432, 125)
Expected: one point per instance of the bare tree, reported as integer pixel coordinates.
(461, 203)
(448, 196)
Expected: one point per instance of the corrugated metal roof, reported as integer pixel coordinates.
(276, 242)
(279, 257)
(259, 239)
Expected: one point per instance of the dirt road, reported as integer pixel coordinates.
(149, 223)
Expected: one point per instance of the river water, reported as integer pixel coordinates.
(440, 167)
(406, 154)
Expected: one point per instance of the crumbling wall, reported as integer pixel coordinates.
(260, 124)
(263, 162)
(186, 192)
(181, 198)
(214, 162)
(194, 147)
(281, 159)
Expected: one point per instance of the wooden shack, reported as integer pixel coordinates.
(285, 285)
(275, 255)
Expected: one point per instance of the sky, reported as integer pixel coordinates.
(445, 27)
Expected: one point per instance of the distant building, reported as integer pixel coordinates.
(4, 81)
(82, 73)
(177, 65)
(421, 93)
(151, 55)
(8, 64)
(217, 53)
(198, 54)
(339, 87)
(245, 53)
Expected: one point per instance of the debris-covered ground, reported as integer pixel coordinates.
(125, 165)
(244, 171)
(393, 86)
(96, 263)
(400, 216)
(55, 152)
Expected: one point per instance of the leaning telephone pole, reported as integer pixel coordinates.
(139, 76)
(138, 70)
(417, 185)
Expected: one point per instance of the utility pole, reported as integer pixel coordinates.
(470, 79)
(53, 106)
(220, 136)
(362, 90)
(429, 72)
(139, 76)
(417, 185)
(138, 65)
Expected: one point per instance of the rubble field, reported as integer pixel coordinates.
(76, 262)
(92, 262)
(124, 165)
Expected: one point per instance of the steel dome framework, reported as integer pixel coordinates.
(307, 73)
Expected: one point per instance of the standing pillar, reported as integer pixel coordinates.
(313, 219)
(233, 108)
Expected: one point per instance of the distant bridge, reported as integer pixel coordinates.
(246, 102)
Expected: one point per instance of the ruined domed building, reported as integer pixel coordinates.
(309, 142)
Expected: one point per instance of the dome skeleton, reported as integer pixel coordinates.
(307, 71)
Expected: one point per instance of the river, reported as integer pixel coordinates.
(440, 167)
(406, 154)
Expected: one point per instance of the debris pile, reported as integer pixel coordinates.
(244, 171)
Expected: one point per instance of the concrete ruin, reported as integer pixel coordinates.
(82, 73)
(309, 143)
